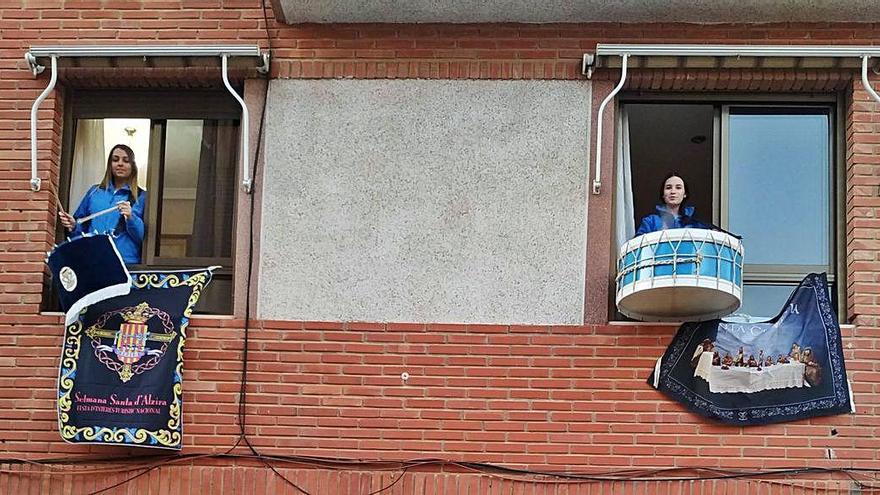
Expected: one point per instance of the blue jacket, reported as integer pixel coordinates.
(128, 235)
(664, 220)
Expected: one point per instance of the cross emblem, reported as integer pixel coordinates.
(130, 341)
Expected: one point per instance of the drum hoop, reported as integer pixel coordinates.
(706, 235)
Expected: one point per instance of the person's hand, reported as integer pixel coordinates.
(124, 208)
(67, 220)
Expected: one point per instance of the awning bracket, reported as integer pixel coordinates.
(245, 129)
(624, 51)
(865, 82)
(35, 179)
(597, 181)
(144, 51)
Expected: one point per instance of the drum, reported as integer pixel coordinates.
(680, 275)
(86, 270)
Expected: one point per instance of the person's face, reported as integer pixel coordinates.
(673, 191)
(120, 165)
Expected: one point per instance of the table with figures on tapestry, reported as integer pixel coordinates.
(750, 379)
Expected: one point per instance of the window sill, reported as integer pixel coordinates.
(212, 317)
(652, 323)
(59, 314)
(843, 326)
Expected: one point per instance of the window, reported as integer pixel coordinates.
(762, 171)
(186, 148)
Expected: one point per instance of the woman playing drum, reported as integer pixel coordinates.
(116, 206)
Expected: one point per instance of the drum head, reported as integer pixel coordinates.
(678, 303)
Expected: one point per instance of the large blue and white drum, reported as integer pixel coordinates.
(680, 275)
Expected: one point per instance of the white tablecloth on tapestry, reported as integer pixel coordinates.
(704, 366)
(739, 379)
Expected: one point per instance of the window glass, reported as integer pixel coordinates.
(765, 301)
(198, 188)
(779, 186)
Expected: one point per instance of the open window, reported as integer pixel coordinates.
(186, 147)
(764, 171)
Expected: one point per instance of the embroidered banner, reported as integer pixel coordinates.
(788, 368)
(122, 360)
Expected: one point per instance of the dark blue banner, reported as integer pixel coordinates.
(120, 378)
(785, 369)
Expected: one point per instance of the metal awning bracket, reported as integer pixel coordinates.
(35, 179)
(143, 51)
(865, 82)
(588, 64)
(31, 60)
(245, 127)
(264, 69)
(624, 51)
(597, 181)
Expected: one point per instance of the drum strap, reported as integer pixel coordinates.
(696, 260)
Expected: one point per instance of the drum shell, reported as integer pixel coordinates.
(680, 274)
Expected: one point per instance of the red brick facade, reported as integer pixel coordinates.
(545, 398)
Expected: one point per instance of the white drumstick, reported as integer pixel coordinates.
(95, 215)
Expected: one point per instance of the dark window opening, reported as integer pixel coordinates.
(186, 147)
(763, 171)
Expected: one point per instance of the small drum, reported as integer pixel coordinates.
(87, 270)
(680, 275)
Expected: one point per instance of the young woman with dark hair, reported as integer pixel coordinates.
(673, 211)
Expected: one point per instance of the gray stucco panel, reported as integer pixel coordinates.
(548, 11)
(425, 201)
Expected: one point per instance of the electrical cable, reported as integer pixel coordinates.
(242, 401)
(481, 467)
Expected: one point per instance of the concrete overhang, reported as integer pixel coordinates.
(551, 11)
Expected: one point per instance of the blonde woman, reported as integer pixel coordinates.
(118, 189)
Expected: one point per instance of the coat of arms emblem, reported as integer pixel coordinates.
(130, 344)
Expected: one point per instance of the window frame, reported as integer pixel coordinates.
(835, 103)
(154, 104)
(154, 183)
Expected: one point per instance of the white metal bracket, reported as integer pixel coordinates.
(31, 60)
(588, 64)
(245, 128)
(35, 179)
(597, 181)
(865, 82)
(264, 69)
(144, 51)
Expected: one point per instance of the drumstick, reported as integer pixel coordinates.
(95, 215)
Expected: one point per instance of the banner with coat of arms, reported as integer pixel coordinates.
(122, 360)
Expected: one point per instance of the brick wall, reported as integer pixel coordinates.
(570, 398)
(560, 398)
(863, 207)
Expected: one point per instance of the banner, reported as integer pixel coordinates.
(122, 360)
(785, 369)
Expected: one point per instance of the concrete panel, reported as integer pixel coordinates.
(543, 11)
(425, 201)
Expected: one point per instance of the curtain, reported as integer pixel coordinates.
(215, 191)
(89, 160)
(625, 214)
